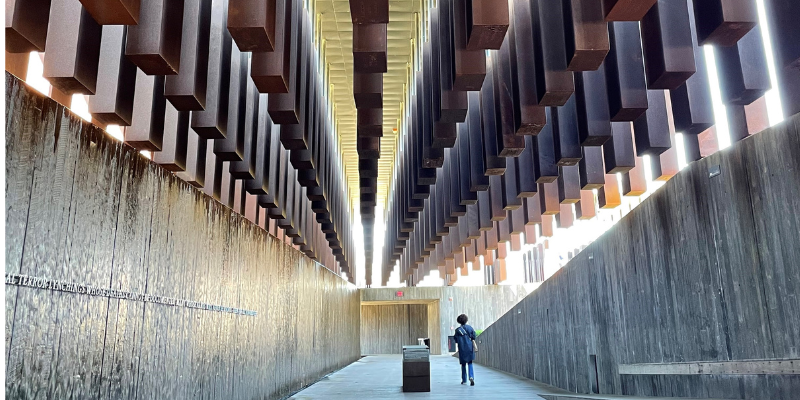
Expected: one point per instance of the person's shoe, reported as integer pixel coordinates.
(463, 383)
(472, 381)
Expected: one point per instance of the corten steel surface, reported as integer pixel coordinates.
(585, 34)
(215, 84)
(743, 69)
(187, 90)
(114, 12)
(26, 25)
(86, 209)
(487, 23)
(724, 22)
(252, 24)
(113, 100)
(685, 272)
(154, 43)
(440, 118)
(73, 40)
(667, 45)
(626, 10)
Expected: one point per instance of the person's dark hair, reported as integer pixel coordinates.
(462, 319)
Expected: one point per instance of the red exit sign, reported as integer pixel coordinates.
(399, 293)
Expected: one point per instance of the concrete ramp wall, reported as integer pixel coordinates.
(706, 270)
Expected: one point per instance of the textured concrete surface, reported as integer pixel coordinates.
(86, 209)
(705, 269)
(482, 304)
(381, 377)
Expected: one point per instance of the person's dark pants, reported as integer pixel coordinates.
(464, 372)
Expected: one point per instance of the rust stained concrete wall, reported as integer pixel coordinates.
(84, 208)
(706, 269)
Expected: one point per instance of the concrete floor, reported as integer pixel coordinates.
(380, 377)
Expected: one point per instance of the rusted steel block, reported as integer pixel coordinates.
(112, 102)
(470, 65)
(626, 10)
(113, 12)
(73, 48)
(369, 11)
(487, 23)
(187, 90)
(369, 48)
(26, 25)
(668, 45)
(627, 89)
(586, 34)
(252, 24)
(154, 44)
(368, 90)
(724, 22)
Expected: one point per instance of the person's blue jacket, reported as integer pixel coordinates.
(464, 337)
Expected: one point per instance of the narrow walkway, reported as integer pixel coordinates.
(381, 377)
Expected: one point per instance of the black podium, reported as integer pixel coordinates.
(416, 369)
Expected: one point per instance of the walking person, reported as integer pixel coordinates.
(465, 338)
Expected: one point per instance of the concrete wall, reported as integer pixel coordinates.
(386, 329)
(482, 304)
(706, 269)
(85, 209)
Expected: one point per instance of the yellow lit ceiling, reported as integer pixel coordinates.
(336, 29)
